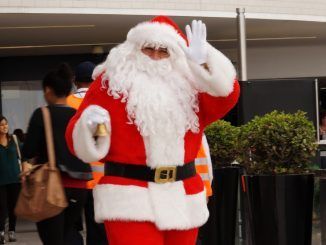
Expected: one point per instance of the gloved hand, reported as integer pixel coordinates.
(95, 115)
(197, 50)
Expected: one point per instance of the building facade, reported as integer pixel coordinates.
(285, 38)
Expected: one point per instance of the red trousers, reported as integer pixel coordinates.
(146, 233)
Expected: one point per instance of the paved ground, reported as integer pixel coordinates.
(316, 239)
(27, 235)
(27, 238)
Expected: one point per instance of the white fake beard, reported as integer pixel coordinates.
(160, 101)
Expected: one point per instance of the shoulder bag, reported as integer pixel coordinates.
(42, 195)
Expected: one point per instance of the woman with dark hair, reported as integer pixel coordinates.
(74, 173)
(9, 180)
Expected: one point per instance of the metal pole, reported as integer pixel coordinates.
(242, 46)
(317, 109)
(242, 68)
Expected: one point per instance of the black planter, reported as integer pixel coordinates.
(278, 209)
(220, 228)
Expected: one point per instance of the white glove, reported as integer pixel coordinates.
(197, 50)
(88, 148)
(95, 115)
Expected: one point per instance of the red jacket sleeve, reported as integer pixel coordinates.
(92, 98)
(213, 108)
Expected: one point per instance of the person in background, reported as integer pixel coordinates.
(322, 137)
(95, 233)
(322, 125)
(204, 168)
(83, 80)
(57, 85)
(9, 180)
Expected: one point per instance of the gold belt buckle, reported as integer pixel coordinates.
(165, 174)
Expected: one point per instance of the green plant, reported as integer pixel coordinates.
(277, 143)
(222, 139)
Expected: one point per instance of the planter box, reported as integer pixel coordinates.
(278, 209)
(220, 228)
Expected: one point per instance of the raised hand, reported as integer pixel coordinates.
(197, 50)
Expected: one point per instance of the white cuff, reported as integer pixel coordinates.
(86, 147)
(219, 80)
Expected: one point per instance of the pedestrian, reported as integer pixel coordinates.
(57, 85)
(150, 103)
(95, 233)
(322, 125)
(9, 180)
(204, 166)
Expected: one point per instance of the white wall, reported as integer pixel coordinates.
(289, 7)
(19, 100)
(306, 61)
(284, 62)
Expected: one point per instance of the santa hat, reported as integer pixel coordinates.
(160, 30)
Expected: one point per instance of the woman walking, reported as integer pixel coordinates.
(9, 180)
(57, 84)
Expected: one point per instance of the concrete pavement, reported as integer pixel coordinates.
(27, 235)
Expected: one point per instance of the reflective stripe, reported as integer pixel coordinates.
(75, 174)
(80, 93)
(97, 168)
(201, 160)
(208, 156)
(204, 177)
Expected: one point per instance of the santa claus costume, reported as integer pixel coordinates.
(155, 112)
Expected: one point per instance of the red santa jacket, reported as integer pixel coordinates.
(127, 199)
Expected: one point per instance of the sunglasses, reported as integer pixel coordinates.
(162, 52)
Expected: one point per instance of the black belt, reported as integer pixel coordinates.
(158, 175)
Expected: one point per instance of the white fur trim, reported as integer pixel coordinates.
(86, 147)
(173, 209)
(156, 33)
(219, 80)
(166, 205)
(116, 202)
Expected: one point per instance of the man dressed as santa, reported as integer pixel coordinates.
(155, 93)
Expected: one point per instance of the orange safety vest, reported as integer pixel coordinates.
(202, 163)
(74, 101)
(97, 167)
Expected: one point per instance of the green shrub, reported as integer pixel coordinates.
(222, 139)
(277, 143)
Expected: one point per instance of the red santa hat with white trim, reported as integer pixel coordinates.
(161, 30)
